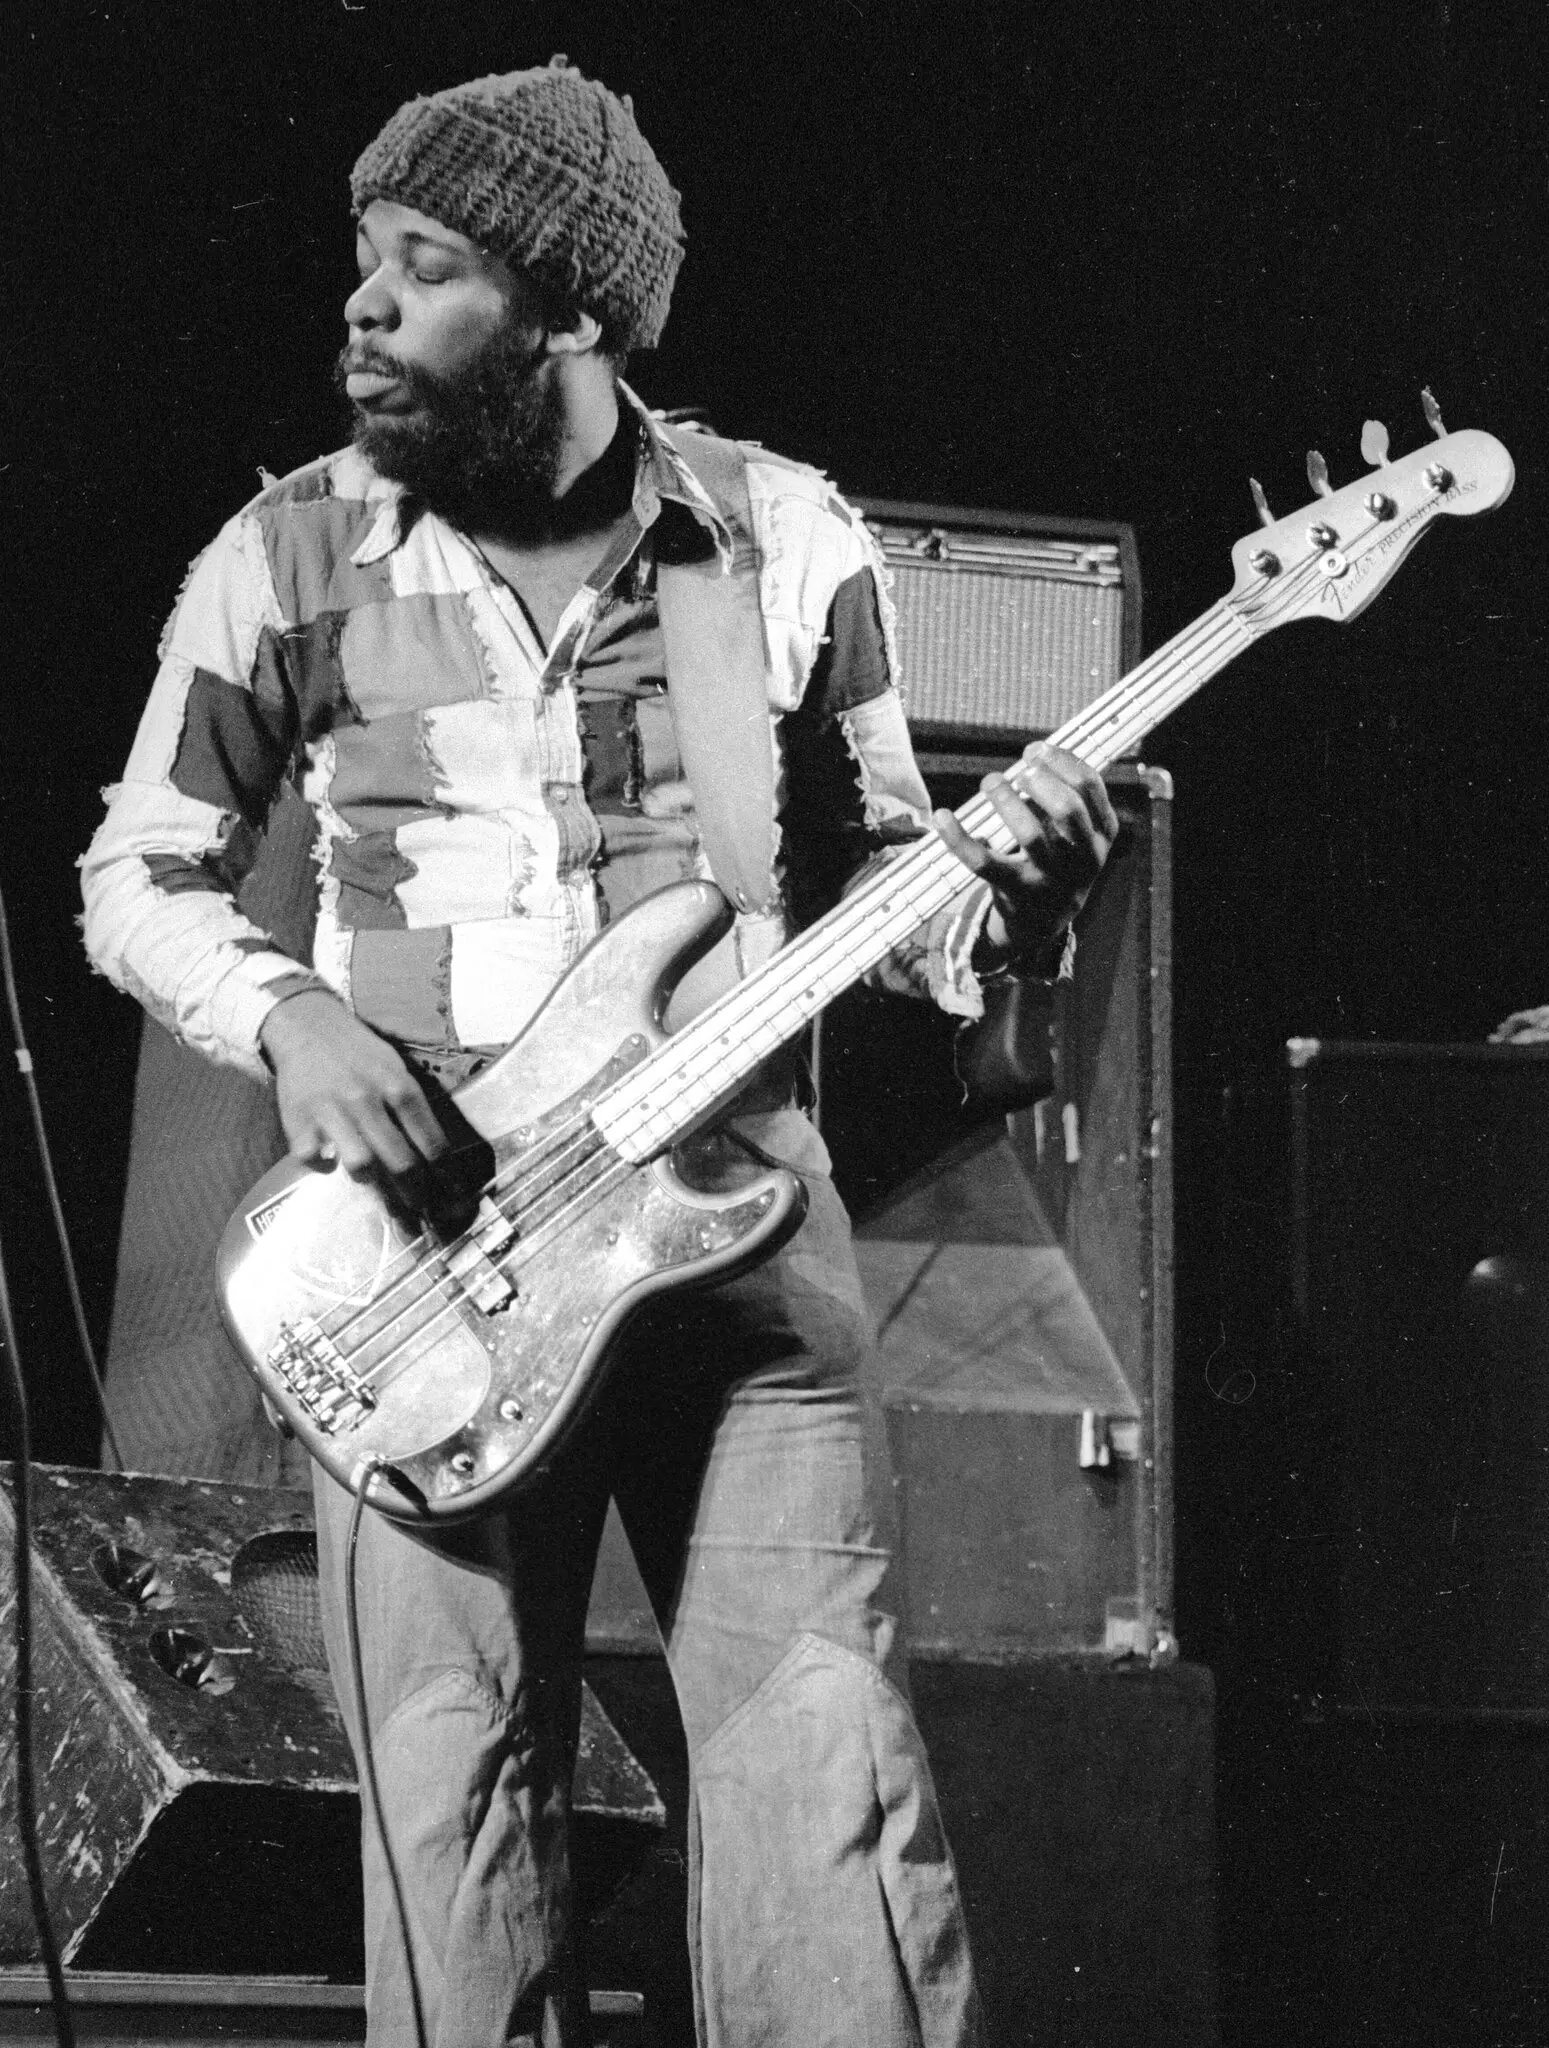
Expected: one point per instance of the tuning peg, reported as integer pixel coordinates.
(1374, 443)
(1317, 474)
(1432, 412)
(1261, 503)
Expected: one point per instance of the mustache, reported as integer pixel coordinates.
(365, 359)
(368, 359)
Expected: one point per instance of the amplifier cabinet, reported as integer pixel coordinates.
(1027, 1380)
(1420, 1291)
(1007, 624)
(1395, 1767)
(1020, 1272)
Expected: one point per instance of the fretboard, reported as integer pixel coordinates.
(703, 1065)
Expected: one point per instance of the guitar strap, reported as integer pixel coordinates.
(713, 638)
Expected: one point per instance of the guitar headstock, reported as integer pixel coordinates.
(1329, 560)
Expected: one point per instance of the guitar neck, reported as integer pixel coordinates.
(702, 1066)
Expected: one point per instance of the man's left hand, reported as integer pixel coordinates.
(1064, 827)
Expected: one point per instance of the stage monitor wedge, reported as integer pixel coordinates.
(197, 1801)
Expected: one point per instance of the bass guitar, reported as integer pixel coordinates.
(437, 1367)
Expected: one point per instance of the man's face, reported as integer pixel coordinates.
(429, 300)
(447, 366)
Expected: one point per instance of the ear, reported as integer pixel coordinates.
(580, 339)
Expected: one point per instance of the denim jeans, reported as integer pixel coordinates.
(750, 1473)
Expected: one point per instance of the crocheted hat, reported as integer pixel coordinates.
(548, 169)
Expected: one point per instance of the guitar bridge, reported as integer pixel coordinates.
(314, 1369)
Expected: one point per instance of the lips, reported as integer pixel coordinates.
(367, 387)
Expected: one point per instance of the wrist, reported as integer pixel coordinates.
(1000, 958)
(293, 1016)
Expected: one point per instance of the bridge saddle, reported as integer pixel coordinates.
(317, 1373)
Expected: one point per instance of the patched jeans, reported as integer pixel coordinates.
(750, 1474)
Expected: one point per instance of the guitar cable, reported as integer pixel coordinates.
(360, 1479)
(26, 1777)
(24, 1063)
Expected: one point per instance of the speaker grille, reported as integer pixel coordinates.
(274, 1583)
(1003, 632)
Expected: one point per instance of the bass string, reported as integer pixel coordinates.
(783, 997)
(882, 909)
(1175, 680)
(1255, 612)
(1151, 690)
(575, 1143)
(538, 1174)
(553, 1160)
(1250, 613)
(924, 879)
(697, 1064)
(449, 1293)
(1148, 692)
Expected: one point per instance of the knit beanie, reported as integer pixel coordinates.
(547, 169)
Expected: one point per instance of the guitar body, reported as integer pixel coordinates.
(456, 1366)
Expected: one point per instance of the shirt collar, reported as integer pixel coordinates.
(386, 531)
(661, 477)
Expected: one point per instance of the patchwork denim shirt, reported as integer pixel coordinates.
(482, 803)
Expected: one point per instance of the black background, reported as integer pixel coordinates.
(1099, 261)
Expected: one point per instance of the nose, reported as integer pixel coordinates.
(371, 304)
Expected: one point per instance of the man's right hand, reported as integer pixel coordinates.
(343, 1092)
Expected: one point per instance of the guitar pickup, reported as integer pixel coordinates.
(472, 1264)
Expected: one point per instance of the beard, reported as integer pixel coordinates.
(484, 439)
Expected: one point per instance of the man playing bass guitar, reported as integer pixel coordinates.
(494, 646)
